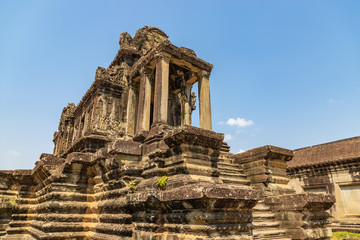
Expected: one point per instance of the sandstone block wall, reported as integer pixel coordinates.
(113, 194)
(302, 216)
(331, 168)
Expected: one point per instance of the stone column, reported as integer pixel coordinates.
(66, 136)
(204, 101)
(143, 117)
(186, 106)
(56, 150)
(75, 132)
(70, 134)
(131, 111)
(60, 144)
(161, 91)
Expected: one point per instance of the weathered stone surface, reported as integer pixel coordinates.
(331, 168)
(125, 147)
(303, 215)
(127, 164)
(305, 201)
(192, 135)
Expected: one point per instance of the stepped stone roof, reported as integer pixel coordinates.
(328, 153)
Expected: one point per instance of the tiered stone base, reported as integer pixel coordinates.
(112, 194)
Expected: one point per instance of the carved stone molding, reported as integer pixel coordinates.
(162, 56)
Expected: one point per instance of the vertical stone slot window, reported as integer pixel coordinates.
(152, 83)
(82, 126)
(152, 112)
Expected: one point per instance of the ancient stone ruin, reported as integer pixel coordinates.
(127, 164)
(331, 168)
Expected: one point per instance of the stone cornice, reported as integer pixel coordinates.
(84, 139)
(194, 136)
(324, 169)
(264, 152)
(121, 54)
(175, 52)
(90, 92)
(336, 163)
(303, 201)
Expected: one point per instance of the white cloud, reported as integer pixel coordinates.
(241, 151)
(239, 122)
(221, 123)
(14, 153)
(228, 137)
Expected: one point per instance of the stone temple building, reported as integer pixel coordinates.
(332, 168)
(127, 164)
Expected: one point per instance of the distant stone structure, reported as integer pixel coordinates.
(332, 168)
(127, 164)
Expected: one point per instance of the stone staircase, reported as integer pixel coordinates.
(265, 225)
(231, 173)
(346, 225)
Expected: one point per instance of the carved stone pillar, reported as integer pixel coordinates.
(103, 123)
(204, 101)
(161, 91)
(143, 117)
(60, 144)
(66, 136)
(70, 134)
(186, 106)
(131, 111)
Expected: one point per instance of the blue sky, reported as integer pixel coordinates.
(286, 73)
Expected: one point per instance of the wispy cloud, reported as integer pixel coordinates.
(228, 137)
(331, 100)
(14, 153)
(239, 122)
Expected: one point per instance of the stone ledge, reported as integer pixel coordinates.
(265, 152)
(303, 201)
(48, 160)
(209, 190)
(78, 157)
(176, 52)
(17, 172)
(195, 196)
(194, 136)
(125, 147)
(84, 142)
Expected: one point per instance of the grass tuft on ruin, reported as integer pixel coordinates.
(345, 235)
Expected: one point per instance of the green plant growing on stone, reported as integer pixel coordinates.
(161, 182)
(13, 202)
(345, 235)
(133, 185)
